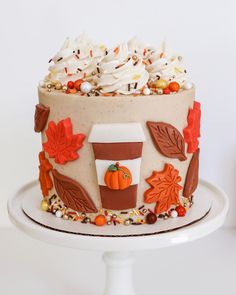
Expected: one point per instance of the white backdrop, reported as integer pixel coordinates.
(202, 31)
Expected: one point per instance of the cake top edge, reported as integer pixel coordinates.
(130, 68)
(58, 93)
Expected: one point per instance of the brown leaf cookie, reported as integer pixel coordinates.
(40, 117)
(191, 181)
(168, 140)
(72, 193)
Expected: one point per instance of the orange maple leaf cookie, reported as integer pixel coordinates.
(164, 188)
(192, 131)
(62, 144)
(44, 178)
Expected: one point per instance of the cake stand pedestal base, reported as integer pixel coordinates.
(118, 248)
(119, 273)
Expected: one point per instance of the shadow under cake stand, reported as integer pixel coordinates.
(118, 242)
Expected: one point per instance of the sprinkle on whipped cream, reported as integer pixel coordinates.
(132, 68)
(77, 59)
(122, 72)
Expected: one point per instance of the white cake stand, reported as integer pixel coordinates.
(118, 250)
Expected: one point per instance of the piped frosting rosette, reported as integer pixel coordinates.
(163, 65)
(77, 59)
(122, 72)
(136, 46)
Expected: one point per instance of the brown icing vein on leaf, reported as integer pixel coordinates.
(40, 117)
(191, 181)
(168, 140)
(72, 193)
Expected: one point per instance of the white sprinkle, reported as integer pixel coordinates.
(188, 85)
(173, 214)
(58, 214)
(146, 91)
(85, 87)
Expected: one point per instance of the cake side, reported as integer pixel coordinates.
(85, 112)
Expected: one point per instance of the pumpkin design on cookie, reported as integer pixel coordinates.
(118, 177)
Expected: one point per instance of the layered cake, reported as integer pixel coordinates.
(120, 131)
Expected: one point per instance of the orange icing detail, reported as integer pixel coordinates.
(164, 188)
(44, 177)
(192, 131)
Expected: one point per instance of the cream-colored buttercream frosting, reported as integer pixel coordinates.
(122, 72)
(85, 111)
(160, 63)
(77, 59)
(167, 68)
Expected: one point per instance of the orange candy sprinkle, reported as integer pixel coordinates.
(78, 83)
(70, 84)
(72, 91)
(116, 50)
(174, 86)
(166, 90)
(100, 220)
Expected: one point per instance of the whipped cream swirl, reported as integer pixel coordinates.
(137, 46)
(122, 72)
(77, 59)
(160, 64)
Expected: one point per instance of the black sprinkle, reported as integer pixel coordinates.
(136, 223)
(59, 59)
(158, 77)
(135, 51)
(185, 71)
(88, 94)
(50, 60)
(128, 87)
(123, 212)
(119, 66)
(98, 70)
(78, 51)
(135, 85)
(141, 207)
(79, 69)
(74, 51)
(114, 222)
(97, 94)
(161, 215)
(106, 52)
(136, 63)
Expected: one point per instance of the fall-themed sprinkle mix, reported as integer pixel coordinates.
(85, 68)
(103, 217)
